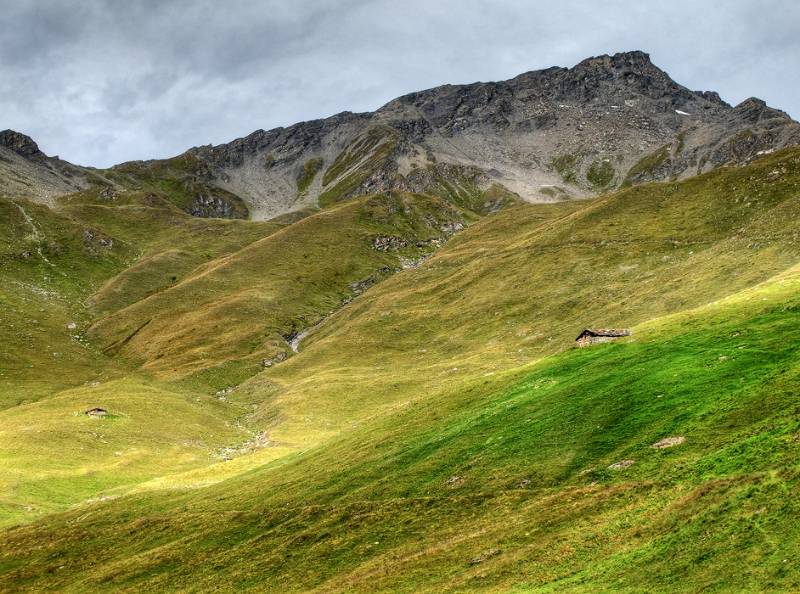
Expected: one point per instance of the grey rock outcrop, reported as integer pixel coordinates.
(25, 171)
(22, 145)
(207, 205)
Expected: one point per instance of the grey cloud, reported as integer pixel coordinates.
(102, 81)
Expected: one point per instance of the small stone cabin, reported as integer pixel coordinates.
(96, 412)
(592, 336)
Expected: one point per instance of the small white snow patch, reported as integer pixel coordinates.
(679, 112)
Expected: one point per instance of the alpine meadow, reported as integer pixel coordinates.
(536, 335)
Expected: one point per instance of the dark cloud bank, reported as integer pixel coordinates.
(100, 81)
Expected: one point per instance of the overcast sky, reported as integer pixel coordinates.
(102, 81)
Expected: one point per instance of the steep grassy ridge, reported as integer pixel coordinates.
(59, 268)
(168, 243)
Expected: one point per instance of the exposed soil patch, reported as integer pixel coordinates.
(259, 441)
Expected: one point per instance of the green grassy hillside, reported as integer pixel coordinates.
(60, 270)
(48, 265)
(99, 260)
(437, 432)
(524, 282)
(240, 309)
(505, 482)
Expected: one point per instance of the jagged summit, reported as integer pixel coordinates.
(543, 135)
(713, 97)
(635, 61)
(756, 110)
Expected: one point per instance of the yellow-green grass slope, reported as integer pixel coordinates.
(46, 268)
(60, 269)
(224, 319)
(100, 258)
(431, 455)
(56, 271)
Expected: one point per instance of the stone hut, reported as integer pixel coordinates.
(592, 336)
(96, 412)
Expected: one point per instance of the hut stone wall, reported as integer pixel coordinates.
(590, 337)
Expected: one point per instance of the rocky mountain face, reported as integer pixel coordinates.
(25, 171)
(543, 136)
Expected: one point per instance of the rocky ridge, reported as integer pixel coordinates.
(544, 135)
(25, 171)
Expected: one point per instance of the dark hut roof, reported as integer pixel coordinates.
(612, 332)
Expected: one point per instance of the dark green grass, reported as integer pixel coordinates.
(567, 167)
(308, 173)
(647, 165)
(600, 174)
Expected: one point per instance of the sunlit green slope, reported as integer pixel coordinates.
(524, 282)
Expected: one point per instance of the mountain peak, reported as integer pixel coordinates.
(21, 144)
(713, 97)
(754, 109)
(754, 102)
(620, 59)
(543, 129)
(543, 135)
(636, 61)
